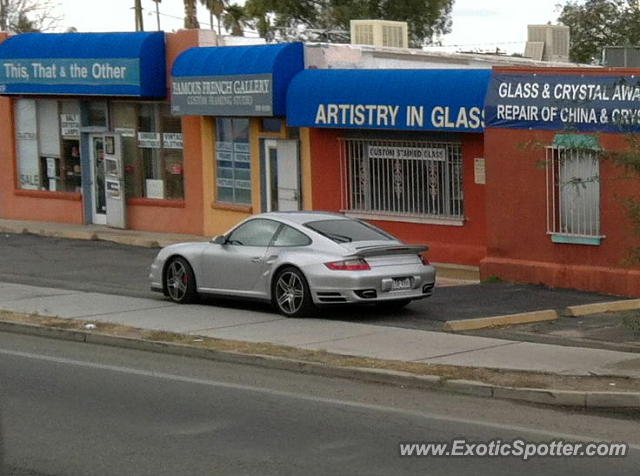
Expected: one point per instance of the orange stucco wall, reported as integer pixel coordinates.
(451, 244)
(23, 204)
(183, 216)
(518, 245)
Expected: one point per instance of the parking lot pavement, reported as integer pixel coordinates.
(120, 269)
(469, 301)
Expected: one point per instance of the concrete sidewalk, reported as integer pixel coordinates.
(346, 338)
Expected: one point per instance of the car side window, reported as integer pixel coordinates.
(291, 237)
(258, 232)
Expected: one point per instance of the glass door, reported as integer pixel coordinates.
(98, 197)
(282, 174)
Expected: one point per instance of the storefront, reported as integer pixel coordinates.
(251, 159)
(560, 200)
(93, 139)
(401, 148)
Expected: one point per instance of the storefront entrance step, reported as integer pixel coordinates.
(457, 271)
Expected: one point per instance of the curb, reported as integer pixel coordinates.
(565, 398)
(601, 307)
(497, 321)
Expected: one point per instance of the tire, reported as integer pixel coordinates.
(290, 293)
(179, 281)
(393, 305)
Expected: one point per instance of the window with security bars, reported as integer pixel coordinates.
(573, 191)
(412, 179)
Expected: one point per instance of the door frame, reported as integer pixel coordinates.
(268, 145)
(95, 218)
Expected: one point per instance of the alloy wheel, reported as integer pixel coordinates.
(177, 280)
(289, 292)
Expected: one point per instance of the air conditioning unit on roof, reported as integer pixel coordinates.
(621, 56)
(380, 33)
(555, 39)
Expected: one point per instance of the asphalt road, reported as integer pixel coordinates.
(100, 266)
(76, 409)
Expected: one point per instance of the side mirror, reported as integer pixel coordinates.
(219, 240)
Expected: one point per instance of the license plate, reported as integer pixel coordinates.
(400, 283)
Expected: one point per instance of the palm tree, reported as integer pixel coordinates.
(190, 14)
(235, 20)
(258, 10)
(216, 8)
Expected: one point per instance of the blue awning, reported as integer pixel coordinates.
(430, 99)
(235, 80)
(102, 64)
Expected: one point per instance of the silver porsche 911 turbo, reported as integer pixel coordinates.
(297, 260)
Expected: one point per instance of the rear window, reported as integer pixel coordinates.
(346, 231)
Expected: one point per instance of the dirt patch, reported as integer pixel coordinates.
(486, 375)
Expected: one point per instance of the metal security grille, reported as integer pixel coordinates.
(402, 178)
(573, 191)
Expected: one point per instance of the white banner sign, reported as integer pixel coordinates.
(70, 125)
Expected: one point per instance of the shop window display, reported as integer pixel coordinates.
(48, 145)
(153, 150)
(233, 161)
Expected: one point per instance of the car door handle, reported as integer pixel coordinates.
(256, 259)
(271, 259)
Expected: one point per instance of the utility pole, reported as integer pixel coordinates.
(139, 21)
(158, 13)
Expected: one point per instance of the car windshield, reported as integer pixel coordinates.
(347, 231)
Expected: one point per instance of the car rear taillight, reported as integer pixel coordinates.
(358, 264)
(424, 260)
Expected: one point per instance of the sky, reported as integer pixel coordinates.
(478, 25)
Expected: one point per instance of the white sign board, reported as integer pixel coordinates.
(149, 140)
(70, 126)
(172, 140)
(407, 153)
(155, 188)
(479, 171)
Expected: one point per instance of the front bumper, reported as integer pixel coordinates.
(371, 286)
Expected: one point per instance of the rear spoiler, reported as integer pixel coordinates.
(391, 250)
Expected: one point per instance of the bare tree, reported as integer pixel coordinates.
(18, 16)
